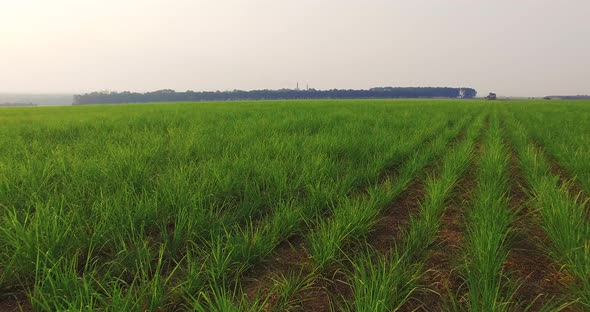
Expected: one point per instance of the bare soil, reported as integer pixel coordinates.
(396, 217)
(15, 303)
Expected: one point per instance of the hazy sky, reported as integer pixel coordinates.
(513, 47)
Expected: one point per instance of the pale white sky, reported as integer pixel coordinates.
(513, 47)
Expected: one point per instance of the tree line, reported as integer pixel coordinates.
(167, 95)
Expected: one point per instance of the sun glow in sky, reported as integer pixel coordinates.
(525, 47)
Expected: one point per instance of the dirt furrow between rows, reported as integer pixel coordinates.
(397, 216)
(16, 303)
(441, 277)
(541, 281)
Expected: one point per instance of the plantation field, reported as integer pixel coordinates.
(353, 205)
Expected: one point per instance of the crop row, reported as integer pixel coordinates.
(250, 246)
(562, 217)
(127, 208)
(311, 205)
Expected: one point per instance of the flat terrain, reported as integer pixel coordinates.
(355, 205)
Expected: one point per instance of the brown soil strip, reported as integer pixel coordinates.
(527, 262)
(290, 256)
(327, 292)
(396, 217)
(15, 304)
(440, 277)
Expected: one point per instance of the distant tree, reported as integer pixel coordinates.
(168, 95)
(468, 93)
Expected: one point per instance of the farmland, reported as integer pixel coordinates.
(348, 205)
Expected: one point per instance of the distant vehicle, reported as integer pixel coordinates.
(491, 96)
